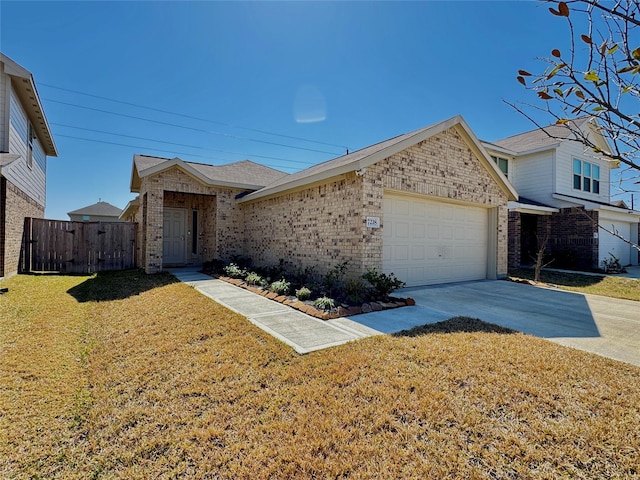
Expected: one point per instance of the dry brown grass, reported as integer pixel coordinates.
(609, 286)
(164, 383)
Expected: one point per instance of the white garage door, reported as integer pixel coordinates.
(428, 242)
(610, 244)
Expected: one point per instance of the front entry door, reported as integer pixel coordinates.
(173, 236)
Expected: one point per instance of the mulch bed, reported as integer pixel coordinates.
(308, 308)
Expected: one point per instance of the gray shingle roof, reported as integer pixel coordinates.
(244, 172)
(102, 209)
(350, 160)
(539, 138)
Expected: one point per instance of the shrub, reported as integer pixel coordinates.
(253, 278)
(355, 290)
(234, 271)
(303, 294)
(612, 264)
(281, 287)
(215, 265)
(334, 278)
(382, 283)
(324, 303)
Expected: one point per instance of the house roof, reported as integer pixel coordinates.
(102, 209)
(243, 174)
(25, 87)
(361, 159)
(548, 137)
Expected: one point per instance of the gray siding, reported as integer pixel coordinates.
(4, 111)
(31, 180)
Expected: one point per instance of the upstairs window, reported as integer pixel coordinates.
(503, 164)
(31, 136)
(586, 176)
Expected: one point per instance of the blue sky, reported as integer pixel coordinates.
(220, 78)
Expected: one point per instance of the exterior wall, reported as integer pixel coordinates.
(30, 179)
(572, 242)
(324, 225)
(5, 89)
(515, 232)
(532, 176)
(224, 213)
(93, 218)
(319, 226)
(565, 154)
(16, 205)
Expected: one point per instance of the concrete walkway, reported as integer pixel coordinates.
(301, 331)
(605, 326)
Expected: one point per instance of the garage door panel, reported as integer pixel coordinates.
(427, 242)
(610, 244)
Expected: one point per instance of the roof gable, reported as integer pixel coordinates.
(369, 155)
(244, 174)
(551, 136)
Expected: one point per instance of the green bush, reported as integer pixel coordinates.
(382, 283)
(333, 280)
(355, 290)
(234, 271)
(253, 278)
(324, 303)
(303, 294)
(281, 287)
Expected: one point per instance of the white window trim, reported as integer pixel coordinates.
(590, 177)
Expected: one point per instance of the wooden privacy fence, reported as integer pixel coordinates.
(77, 247)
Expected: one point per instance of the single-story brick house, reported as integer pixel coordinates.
(429, 206)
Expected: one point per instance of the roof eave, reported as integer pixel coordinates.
(375, 157)
(186, 168)
(23, 81)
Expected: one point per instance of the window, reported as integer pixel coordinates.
(586, 176)
(503, 164)
(194, 230)
(31, 136)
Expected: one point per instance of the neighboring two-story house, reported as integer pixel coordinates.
(25, 143)
(564, 196)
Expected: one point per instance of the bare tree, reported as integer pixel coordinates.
(599, 76)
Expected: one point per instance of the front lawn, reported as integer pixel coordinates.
(132, 376)
(609, 286)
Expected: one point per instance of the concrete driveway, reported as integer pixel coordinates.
(601, 325)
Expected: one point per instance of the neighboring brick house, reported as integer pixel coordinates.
(564, 193)
(98, 212)
(429, 206)
(25, 143)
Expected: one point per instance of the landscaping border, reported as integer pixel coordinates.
(309, 309)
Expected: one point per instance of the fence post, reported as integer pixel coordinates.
(25, 261)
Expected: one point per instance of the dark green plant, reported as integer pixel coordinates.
(281, 287)
(382, 283)
(334, 279)
(355, 290)
(324, 303)
(303, 294)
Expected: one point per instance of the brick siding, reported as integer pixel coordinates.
(16, 206)
(572, 241)
(325, 224)
(219, 213)
(515, 229)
